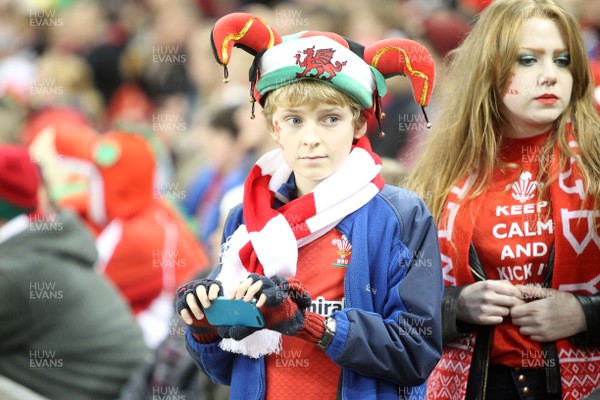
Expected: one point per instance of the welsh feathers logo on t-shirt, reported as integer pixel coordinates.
(344, 250)
(524, 189)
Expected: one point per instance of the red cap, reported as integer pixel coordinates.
(19, 182)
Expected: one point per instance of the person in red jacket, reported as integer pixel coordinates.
(144, 245)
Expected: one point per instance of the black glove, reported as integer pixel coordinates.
(283, 311)
(201, 329)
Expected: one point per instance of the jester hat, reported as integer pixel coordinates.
(348, 66)
(120, 169)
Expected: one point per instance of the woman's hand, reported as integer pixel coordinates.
(487, 302)
(550, 316)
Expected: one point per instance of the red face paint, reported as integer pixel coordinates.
(511, 91)
(277, 128)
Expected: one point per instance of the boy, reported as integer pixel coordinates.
(317, 218)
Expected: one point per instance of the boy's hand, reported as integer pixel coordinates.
(284, 304)
(189, 298)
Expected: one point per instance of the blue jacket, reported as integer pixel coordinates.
(388, 337)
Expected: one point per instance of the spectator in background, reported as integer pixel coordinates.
(404, 124)
(144, 246)
(188, 148)
(65, 332)
(88, 31)
(66, 187)
(589, 17)
(227, 166)
(65, 80)
(256, 140)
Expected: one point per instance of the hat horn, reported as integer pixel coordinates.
(404, 56)
(242, 30)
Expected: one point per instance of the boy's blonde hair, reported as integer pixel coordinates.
(310, 93)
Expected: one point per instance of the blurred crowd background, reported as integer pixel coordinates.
(124, 108)
(146, 67)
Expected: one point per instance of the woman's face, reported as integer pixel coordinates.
(541, 82)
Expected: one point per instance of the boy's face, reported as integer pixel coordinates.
(315, 141)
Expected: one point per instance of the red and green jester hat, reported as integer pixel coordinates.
(354, 69)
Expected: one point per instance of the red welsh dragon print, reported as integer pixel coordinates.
(320, 61)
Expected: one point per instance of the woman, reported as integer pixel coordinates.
(517, 207)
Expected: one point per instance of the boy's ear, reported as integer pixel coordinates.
(360, 132)
(273, 133)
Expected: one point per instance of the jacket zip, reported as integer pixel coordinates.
(477, 270)
(261, 392)
(340, 394)
(486, 370)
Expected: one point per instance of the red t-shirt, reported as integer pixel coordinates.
(513, 235)
(302, 369)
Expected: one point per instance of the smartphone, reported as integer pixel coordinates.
(226, 312)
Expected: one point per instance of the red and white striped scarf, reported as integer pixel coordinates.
(268, 242)
(576, 269)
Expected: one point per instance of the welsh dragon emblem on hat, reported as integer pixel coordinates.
(357, 70)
